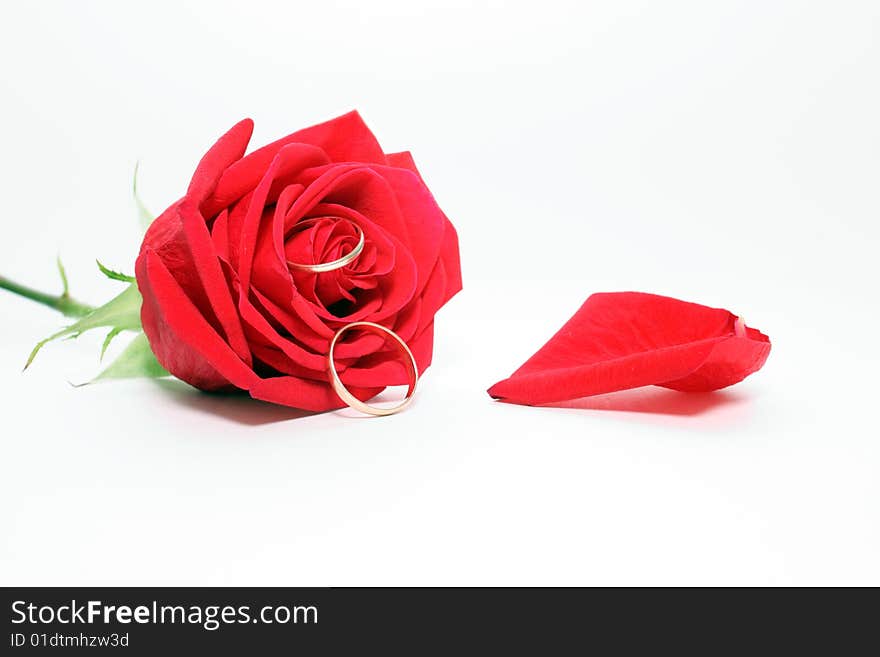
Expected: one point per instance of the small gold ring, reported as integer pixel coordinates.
(339, 263)
(350, 399)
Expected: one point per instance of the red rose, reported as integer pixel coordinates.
(223, 308)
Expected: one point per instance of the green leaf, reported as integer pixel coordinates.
(115, 275)
(122, 313)
(112, 334)
(145, 216)
(136, 361)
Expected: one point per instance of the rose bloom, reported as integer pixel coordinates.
(223, 308)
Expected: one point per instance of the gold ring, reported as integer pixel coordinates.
(350, 399)
(339, 263)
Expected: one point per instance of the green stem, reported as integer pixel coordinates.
(63, 303)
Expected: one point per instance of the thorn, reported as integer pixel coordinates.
(66, 288)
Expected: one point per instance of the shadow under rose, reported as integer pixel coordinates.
(660, 401)
(235, 406)
(391, 396)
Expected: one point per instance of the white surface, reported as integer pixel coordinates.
(725, 153)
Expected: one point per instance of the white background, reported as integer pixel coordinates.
(724, 153)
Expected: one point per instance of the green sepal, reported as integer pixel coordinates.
(112, 334)
(144, 216)
(114, 275)
(135, 361)
(121, 313)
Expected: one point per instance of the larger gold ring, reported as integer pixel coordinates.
(339, 263)
(350, 399)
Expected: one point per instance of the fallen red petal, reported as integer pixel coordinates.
(623, 340)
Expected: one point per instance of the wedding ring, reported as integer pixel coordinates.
(350, 399)
(339, 263)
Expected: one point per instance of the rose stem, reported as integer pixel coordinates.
(63, 303)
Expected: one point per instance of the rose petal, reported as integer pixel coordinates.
(386, 366)
(305, 394)
(425, 222)
(168, 238)
(220, 235)
(204, 258)
(228, 149)
(450, 256)
(343, 139)
(618, 341)
(290, 159)
(171, 321)
(449, 251)
(403, 160)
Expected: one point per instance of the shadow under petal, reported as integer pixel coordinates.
(236, 406)
(655, 400)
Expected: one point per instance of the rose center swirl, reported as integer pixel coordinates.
(332, 265)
